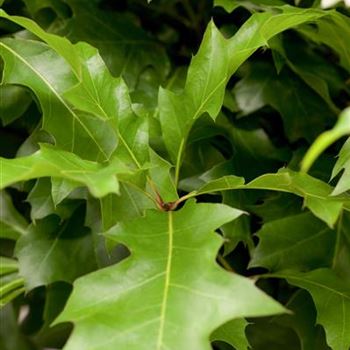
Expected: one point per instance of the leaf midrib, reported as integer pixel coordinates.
(99, 106)
(167, 281)
(53, 246)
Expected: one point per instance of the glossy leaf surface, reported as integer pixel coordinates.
(51, 162)
(316, 194)
(159, 294)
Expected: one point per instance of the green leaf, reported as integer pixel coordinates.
(232, 333)
(7, 265)
(109, 98)
(155, 292)
(53, 252)
(96, 139)
(130, 204)
(315, 71)
(160, 173)
(283, 243)
(267, 335)
(340, 129)
(224, 183)
(100, 179)
(61, 188)
(11, 284)
(207, 76)
(303, 321)
(304, 112)
(101, 95)
(14, 100)
(331, 296)
(12, 223)
(315, 192)
(34, 6)
(333, 31)
(203, 92)
(126, 48)
(276, 205)
(343, 162)
(42, 204)
(40, 199)
(127, 139)
(60, 44)
(341, 259)
(228, 5)
(231, 5)
(105, 99)
(253, 152)
(57, 295)
(238, 230)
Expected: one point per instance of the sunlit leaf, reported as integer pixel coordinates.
(343, 162)
(48, 161)
(341, 128)
(205, 85)
(30, 58)
(316, 193)
(155, 292)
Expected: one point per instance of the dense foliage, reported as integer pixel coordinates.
(175, 175)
